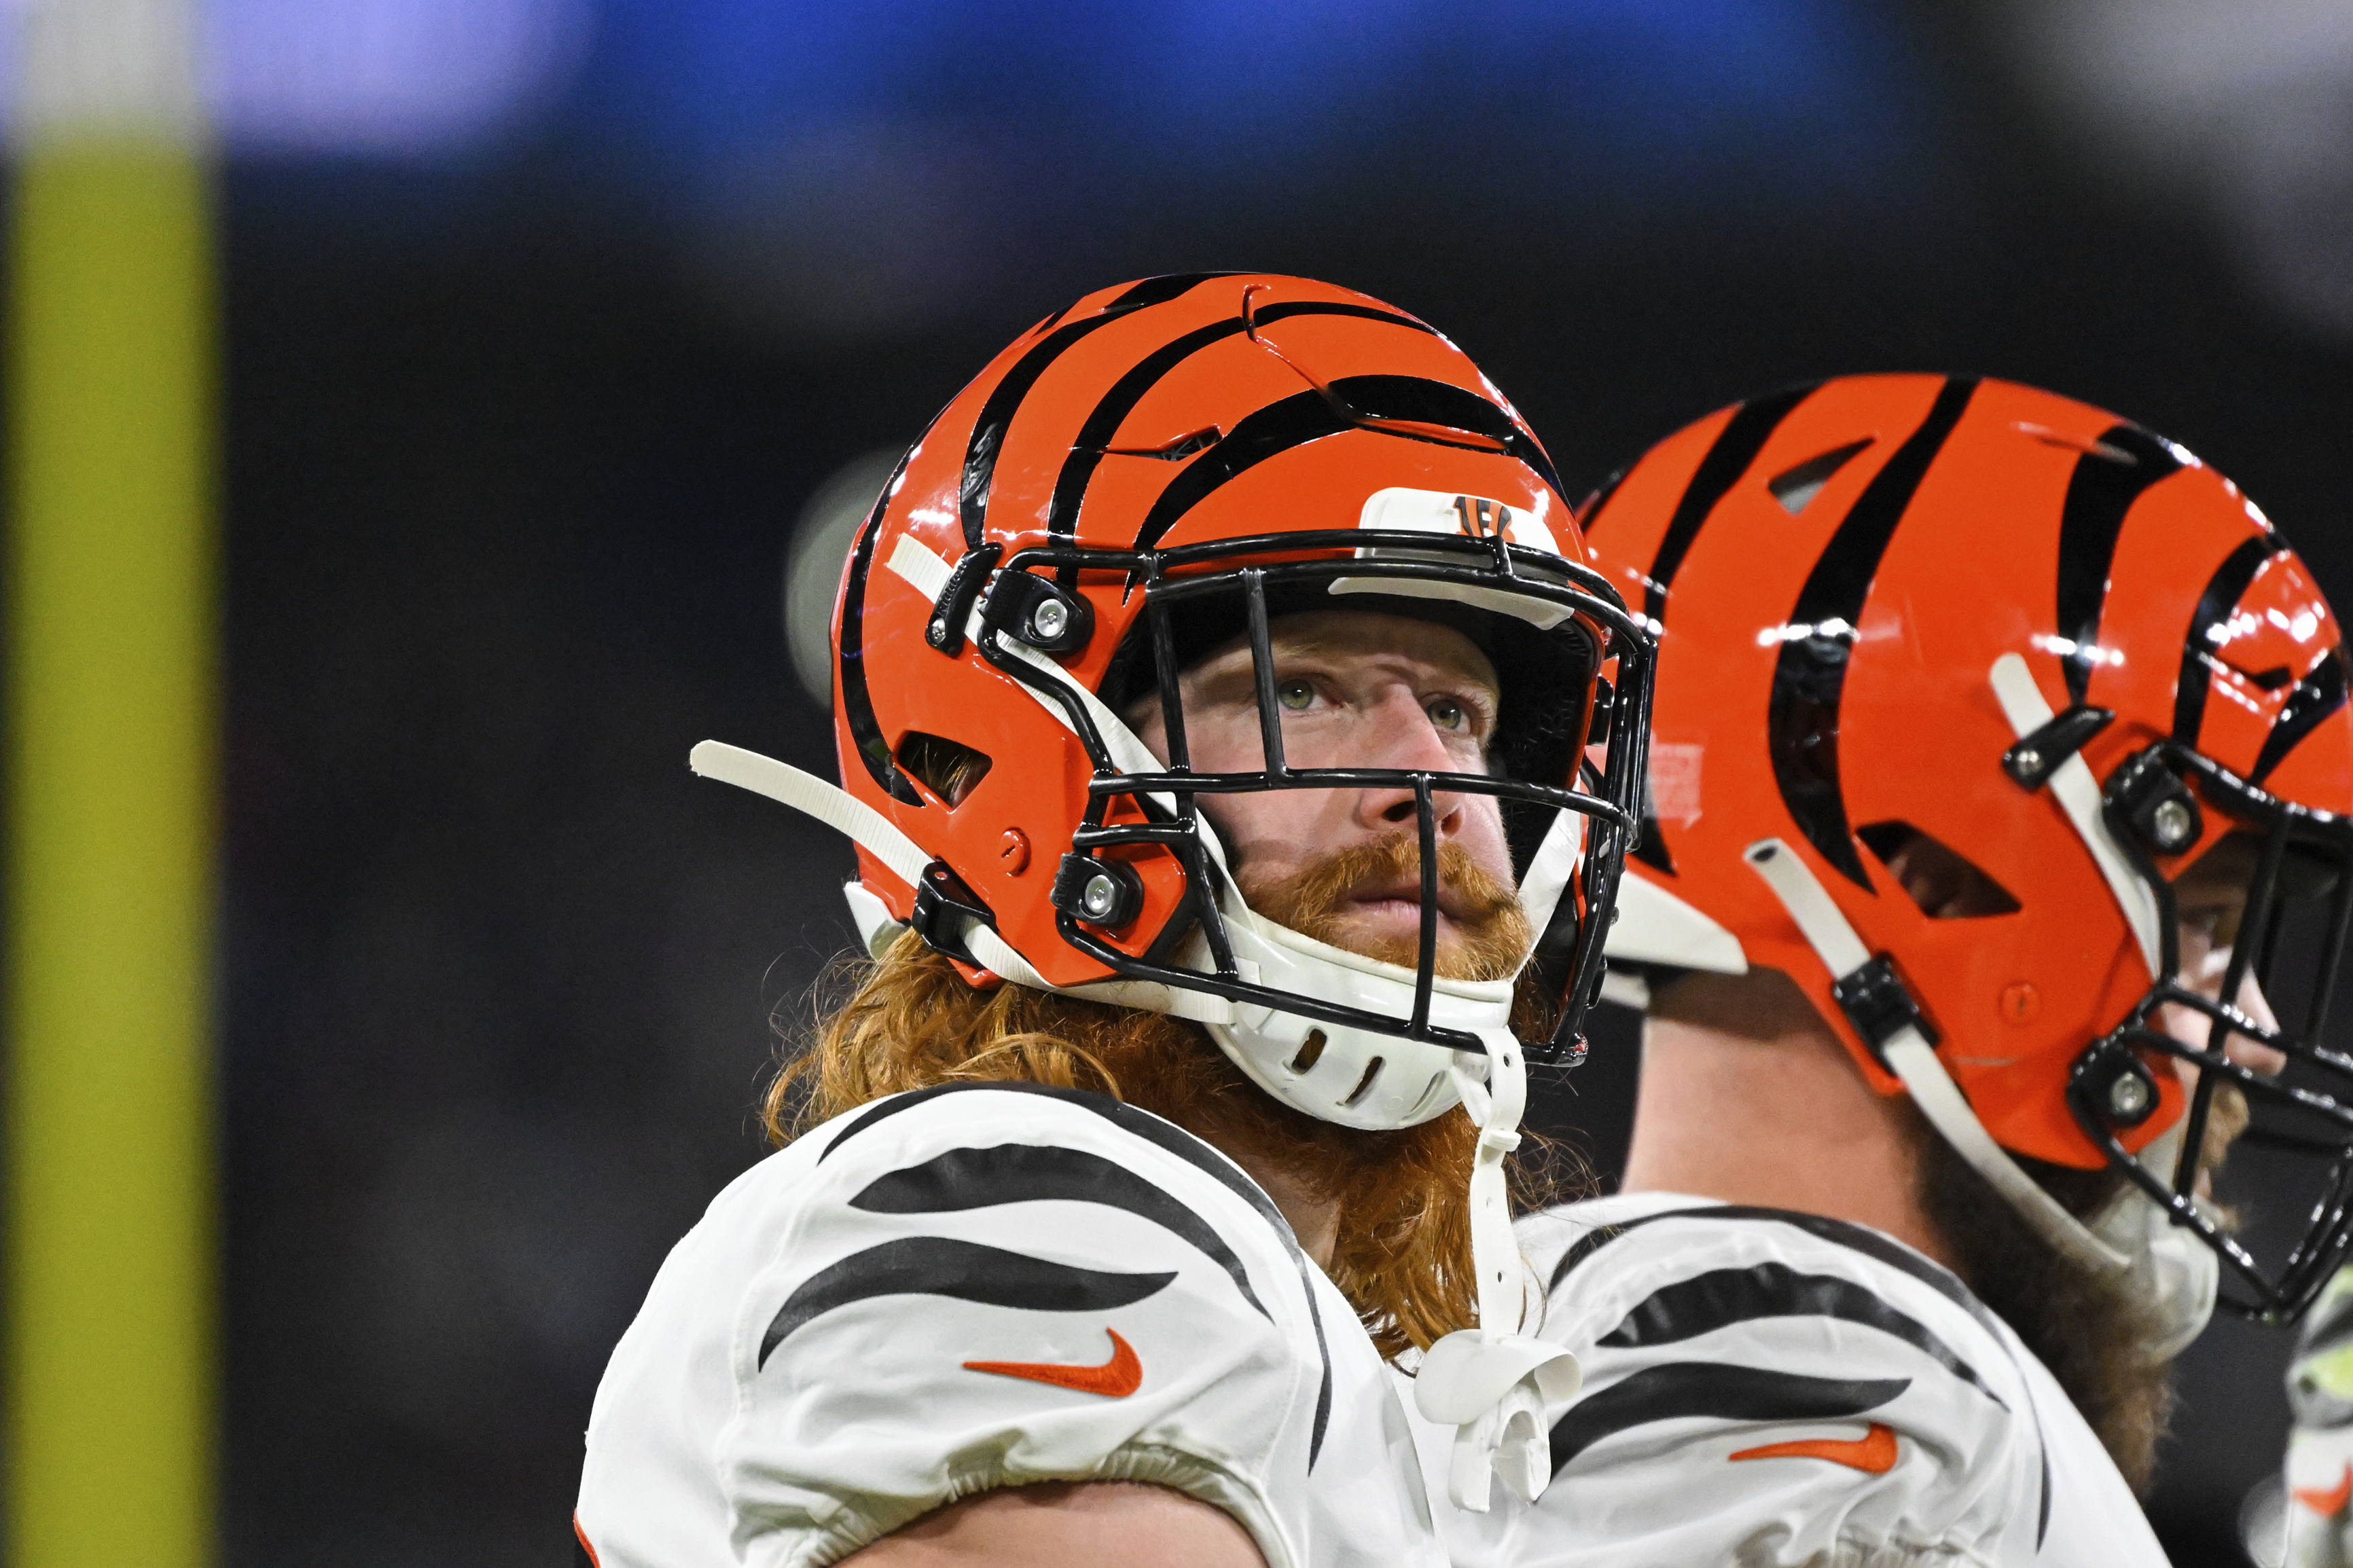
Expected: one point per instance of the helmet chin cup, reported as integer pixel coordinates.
(1353, 1077)
(2177, 1276)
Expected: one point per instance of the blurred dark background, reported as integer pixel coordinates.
(547, 319)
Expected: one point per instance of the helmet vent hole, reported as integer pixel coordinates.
(1795, 487)
(1365, 1084)
(1174, 450)
(1938, 877)
(949, 769)
(1311, 1051)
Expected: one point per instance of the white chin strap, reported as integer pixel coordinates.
(2177, 1274)
(879, 837)
(1911, 1059)
(1491, 1382)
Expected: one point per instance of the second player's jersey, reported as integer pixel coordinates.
(982, 1286)
(1770, 1389)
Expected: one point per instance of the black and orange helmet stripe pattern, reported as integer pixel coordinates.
(2221, 596)
(1989, 521)
(1103, 423)
(1005, 399)
(2126, 461)
(1726, 463)
(1810, 672)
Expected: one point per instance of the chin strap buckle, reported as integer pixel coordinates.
(1880, 1006)
(1492, 1388)
(1491, 1383)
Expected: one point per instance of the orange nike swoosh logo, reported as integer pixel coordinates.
(1874, 1454)
(1116, 1378)
(2329, 1504)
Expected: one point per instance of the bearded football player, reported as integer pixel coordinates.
(1237, 748)
(2000, 768)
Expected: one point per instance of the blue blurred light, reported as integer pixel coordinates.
(1231, 82)
(396, 78)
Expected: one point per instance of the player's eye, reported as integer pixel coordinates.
(1295, 695)
(1447, 714)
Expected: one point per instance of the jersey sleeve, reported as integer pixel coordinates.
(1759, 1393)
(990, 1288)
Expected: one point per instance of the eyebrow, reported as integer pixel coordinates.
(1317, 647)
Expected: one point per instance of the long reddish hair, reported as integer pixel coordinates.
(1403, 1253)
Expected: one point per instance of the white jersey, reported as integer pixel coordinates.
(1770, 1389)
(979, 1286)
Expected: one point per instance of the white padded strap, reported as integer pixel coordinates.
(1912, 1060)
(805, 792)
(876, 834)
(2078, 794)
(1492, 1384)
(920, 565)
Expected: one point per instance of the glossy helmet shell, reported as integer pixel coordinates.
(1170, 414)
(1833, 571)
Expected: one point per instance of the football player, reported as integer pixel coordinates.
(2000, 768)
(1225, 720)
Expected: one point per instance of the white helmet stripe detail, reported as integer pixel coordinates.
(1912, 1060)
(2078, 794)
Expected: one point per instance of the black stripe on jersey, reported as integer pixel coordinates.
(857, 702)
(1809, 675)
(2317, 696)
(1857, 1238)
(1721, 1297)
(2099, 492)
(1102, 424)
(1719, 1392)
(965, 1179)
(2214, 606)
(1005, 399)
(1854, 1238)
(941, 1266)
(1164, 1135)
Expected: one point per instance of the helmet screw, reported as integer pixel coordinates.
(936, 634)
(1049, 620)
(1100, 897)
(2171, 824)
(1105, 893)
(2129, 1097)
(2026, 760)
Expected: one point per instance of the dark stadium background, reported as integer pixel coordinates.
(521, 415)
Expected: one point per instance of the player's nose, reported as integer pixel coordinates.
(1396, 733)
(2193, 1028)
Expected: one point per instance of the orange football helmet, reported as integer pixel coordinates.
(1894, 608)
